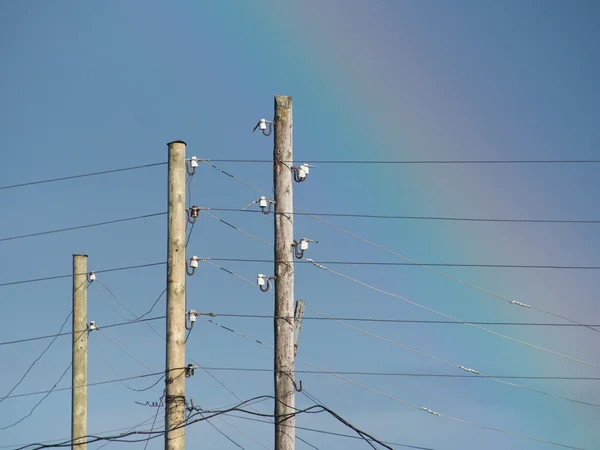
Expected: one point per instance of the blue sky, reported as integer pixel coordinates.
(89, 87)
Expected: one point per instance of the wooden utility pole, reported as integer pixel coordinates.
(176, 272)
(285, 432)
(80, 344)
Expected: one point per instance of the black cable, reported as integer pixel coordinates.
(79, 227)
(56, 277)
(380, 263)
(38, 358)
(98, 383)
(507, 161)
(253, 419)
(432, 322)
(439, 218)
(408, 374)
(37, 338)
(39, 402)
(90, 174)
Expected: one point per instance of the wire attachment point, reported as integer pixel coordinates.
(300, 173)
(91, 277)
(193, 213)
(262, 126)
(264, 282)
(300, 246)
(191, 166)
(192, 266)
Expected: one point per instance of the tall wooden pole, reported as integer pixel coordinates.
(285, 432)
(80, 344)
(176, 272)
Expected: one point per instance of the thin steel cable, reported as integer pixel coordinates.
(236, 428)
(57, 277)
(80, 227)
(124, 349)
(447, 316)
(407, 321)
(473, 286)
(69, 333)
(299, 212)
(450, 277)
(412, 405)
(407, 264)
(97, 383)
(455, 365)
(98, 433)
(458, 162)
(39, 402)
(253, 419)
(237, 228)
(83, 175)
(428, 309)
(38, 358)
(117, 375)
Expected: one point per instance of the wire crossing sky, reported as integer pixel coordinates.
(462, 138)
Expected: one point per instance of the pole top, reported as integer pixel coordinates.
(80, 254)
(176, 142)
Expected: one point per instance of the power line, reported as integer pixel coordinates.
(98, 383)
(431, 269)
(253, 419)
(458, 162)
(83, 175)
(79, 227)
(404, 402)
(407, 321)
(407, 264)
(57, 277)
(447, 316)
(38, 358)
(49, 336)
(406, 374)
(408, 217)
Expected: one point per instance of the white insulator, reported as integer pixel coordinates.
(192, 317)
(194, 161)
(260, 279)
(301, 173)
(262, 202)
(262, 124)
(194, 262)
(305, 168)
(93, 326)
(303, 244)
(92, 276)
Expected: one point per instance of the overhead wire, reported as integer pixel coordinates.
(57, 277)
(50, 336)
(117, 375)
(52, 389)
(412, 260)
(83, 175)
(458, 162)
(412, 405)
(447, 316)
(401, 264)
(38, 358)
(477, 372)
(473, 424)
(80, 227)
(299, 212)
